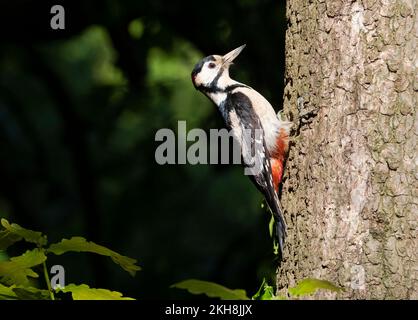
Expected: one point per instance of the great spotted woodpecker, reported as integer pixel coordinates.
(243, 109)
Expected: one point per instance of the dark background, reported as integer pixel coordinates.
(79, 109)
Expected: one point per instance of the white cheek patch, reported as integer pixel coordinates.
(207, 75)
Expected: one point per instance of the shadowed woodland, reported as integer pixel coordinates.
(79, 109)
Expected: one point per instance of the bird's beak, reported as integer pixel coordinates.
(230, 56)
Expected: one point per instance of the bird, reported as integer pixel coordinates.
(245, 110)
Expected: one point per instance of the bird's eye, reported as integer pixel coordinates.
(212, 65)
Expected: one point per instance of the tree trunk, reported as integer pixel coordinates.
(350, 193)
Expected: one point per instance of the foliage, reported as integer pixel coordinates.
(13, 233)
(79, 244)
(84, 292)
(18, 269)
(211, 289)
(17, 274)
(310, 286)
(266, 292)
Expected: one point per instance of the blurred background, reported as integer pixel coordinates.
(79, 109)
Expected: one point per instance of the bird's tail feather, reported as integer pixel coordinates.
(280, 225)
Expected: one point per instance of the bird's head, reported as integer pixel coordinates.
(208, 71)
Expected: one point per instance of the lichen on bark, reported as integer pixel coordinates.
(350, 190)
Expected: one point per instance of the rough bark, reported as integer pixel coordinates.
(351, 189)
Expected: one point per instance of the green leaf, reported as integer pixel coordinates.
(84, 292)
(211, 289)
(23, 293)
(6, 293)
(13, 233)
(271, 226)
(79, 244)
(7, 239)
(266, 292)
(310, 286)
(271, 232)
(30, 293)
(17, 269)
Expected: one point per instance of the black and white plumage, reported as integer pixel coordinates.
(262, 136)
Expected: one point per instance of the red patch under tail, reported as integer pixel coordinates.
(278, 156)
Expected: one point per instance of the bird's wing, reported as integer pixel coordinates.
(246, 126)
